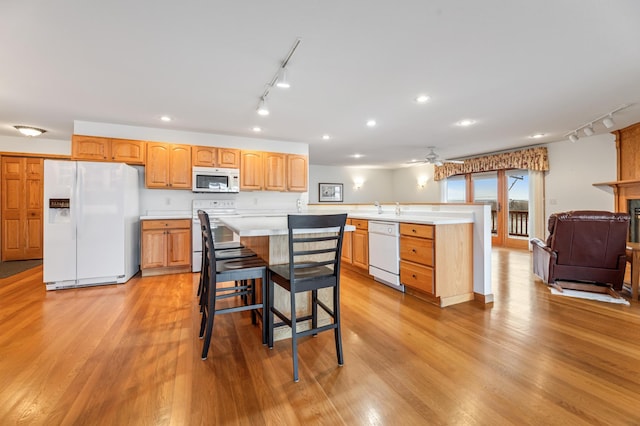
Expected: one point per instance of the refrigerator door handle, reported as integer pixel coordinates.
(77, 209)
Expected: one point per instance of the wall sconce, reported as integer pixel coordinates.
(357, 184)
(422, 182)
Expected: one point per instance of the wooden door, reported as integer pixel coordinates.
(251, 175)
(297, 172)
(274, 171)
(90, 148)
(180, 167)
(128, 151)
(229, 158)
(156, 173)
(204, 156)
(22, 192)
(154, 252)
(178, 247)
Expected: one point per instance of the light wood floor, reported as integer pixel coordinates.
(129, 355)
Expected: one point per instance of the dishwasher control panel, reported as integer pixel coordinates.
(386, 228)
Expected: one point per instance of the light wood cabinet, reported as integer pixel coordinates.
(436, 262)
(251, 171)
(22, 197)
(94, 148)
(297, 173)
(165, 246)
(229, 158)
(347, 246)
(360, 243)
(204, 156)
(274, 171)
(168, 166)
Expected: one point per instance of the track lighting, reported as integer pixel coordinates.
(608, 122)
(587, 128)
(279, 80)
(29, 131)
(263, 109)
(588, 131)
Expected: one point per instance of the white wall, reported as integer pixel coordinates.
(376, 184)
(574, 168)
(36, 145)
(407, 190)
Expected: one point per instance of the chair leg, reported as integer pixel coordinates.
(253, 300)
(270, 291)
(337, 332)
(208, 332)
(265, 307)
(314, 310)
(294, 336)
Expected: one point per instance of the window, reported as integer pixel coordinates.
(456, 189)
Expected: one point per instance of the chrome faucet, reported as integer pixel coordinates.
(377, 204)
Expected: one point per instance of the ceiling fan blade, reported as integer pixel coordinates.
(454, 161)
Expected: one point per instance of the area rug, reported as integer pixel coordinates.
(14, 267)
(600, 297)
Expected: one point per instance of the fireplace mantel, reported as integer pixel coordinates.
(618, 183)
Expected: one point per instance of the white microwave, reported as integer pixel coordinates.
(214, 179)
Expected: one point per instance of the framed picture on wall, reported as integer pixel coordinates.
(330, 192)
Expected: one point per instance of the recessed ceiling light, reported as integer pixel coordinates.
(422, 99)
(357, 155)
(165, 118)
(466, 122)
(326, 137)
(257, 129)
(371, 123)
(538, 136)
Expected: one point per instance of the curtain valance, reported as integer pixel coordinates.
(531, 159)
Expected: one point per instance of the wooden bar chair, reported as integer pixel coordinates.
(243, 272)
(314, 263)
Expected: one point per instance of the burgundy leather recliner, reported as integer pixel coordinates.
(583, 245)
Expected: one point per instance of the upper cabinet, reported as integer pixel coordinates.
(297, 173)
(273, 171)
(168, 166)
(251, 171)
(94, 148)
(209, 156)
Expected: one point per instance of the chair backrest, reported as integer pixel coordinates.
(208, 249)
(588, 238)
(315, 247)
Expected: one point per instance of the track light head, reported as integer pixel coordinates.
(608, 121)
(574, 137)
(262, 107)
(588, 131)
(283, 81)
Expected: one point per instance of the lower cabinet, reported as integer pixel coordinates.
(436, 262)
(165, 246)
(355, 245)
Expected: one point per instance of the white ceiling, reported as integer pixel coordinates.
(517, 67)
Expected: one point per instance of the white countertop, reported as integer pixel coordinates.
(425, 218)
(258, 226)
(165, 217)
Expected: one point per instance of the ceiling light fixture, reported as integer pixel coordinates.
(263, 109)
(257, 129)
(466, 122)
(538, 136)
(165, 118)
(326, 137)
(587, 128)
(588, 131)
(422, 99)
(371, 123)
(30, 131)
(279, 79)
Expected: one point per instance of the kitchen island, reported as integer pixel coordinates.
(268, 236)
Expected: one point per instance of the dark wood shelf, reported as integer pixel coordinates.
(618, 183)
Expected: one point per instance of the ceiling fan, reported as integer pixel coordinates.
(433, 158)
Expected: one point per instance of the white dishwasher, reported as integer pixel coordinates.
(384, 253)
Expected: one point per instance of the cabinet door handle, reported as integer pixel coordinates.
(414, 276)
(413, 250)
(414, 230)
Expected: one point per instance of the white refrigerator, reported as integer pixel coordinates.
(91, 223)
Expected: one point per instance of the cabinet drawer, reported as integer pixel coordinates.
(416, 230)
(417, 276)
(360, 224)
(419, 250)
(166, 224)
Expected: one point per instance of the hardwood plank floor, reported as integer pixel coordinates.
(130, 354)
